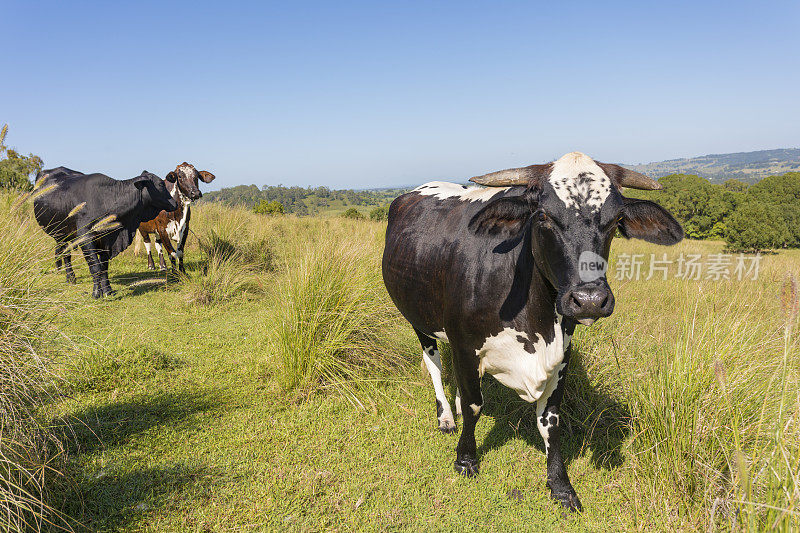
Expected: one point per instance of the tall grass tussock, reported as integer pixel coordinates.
(331, 329)
(31, 454)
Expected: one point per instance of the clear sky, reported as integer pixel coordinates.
(371, 94)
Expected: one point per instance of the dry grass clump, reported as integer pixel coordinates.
(31, 455)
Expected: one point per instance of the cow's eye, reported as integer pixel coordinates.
(541, 216)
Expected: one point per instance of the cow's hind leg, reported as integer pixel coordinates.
(59, 253)
(549, 421)
(151, 265)
(471, 400)
(161, 264)
(433, 362)
(68, 265)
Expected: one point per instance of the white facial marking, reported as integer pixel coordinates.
(579, 181)
(475, 409)
(433, 362)
(505, 357)
(441, 336)
(443, 190)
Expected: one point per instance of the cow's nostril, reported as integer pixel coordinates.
(605, 301)
(575, 301)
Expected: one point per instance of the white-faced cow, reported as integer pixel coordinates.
(182, 184)
(504, 273)
(97, 213)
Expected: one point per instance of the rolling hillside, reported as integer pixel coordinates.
(746, 166)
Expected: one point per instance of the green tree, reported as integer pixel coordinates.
(268, 208)
(16, 170)
(754, 226)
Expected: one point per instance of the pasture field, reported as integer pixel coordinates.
(277, 388)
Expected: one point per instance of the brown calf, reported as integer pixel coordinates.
(174, 226)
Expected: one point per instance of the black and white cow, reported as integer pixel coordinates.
(97, 213)
(505, 273)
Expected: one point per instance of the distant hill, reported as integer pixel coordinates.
(746, 166)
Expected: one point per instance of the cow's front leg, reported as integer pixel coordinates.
(105, 285)
(469, 385)
(93, 260)
(549, 421)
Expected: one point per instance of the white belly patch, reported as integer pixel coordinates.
(504, 356)
(175, 229)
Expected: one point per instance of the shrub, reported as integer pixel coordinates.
(268, 208)
(379, 214)
(353, 213)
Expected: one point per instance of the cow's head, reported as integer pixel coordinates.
(154, 192)
(571, 209)
(186, 178)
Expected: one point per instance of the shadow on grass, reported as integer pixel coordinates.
(107, 426)
(592, 419)
(111, 499)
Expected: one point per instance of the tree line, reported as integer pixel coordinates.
(756, 217)
(763, 216)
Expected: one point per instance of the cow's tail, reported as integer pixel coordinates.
(137, 244)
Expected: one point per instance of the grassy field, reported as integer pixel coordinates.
(216, 403)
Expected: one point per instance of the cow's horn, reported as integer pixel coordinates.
(625, 177)
(635, 180)
(511, 176)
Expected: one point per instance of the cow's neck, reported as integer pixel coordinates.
(181, 199)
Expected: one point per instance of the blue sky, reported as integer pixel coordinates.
(351, 94)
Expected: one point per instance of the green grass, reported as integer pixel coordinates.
(681, 409)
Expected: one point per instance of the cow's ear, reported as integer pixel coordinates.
(646, 220)
(506, 214)
(206, 176)
(172, 177)
(141, 181)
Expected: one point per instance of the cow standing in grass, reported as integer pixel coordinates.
(182, 184)
(97, 213)
(505, 273)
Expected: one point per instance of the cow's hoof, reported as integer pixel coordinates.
(466, 467)
(151, 267)
(71, 281)
(568, 500)
(447, 427)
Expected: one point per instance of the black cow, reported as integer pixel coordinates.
(505, 274)
(97, 213)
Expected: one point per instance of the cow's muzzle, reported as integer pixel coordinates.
(587, 302)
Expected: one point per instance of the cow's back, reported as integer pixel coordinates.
(436, 270)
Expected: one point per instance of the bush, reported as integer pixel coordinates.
(331, 331)
(353, 213)
(268, 208)
(379, 214)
